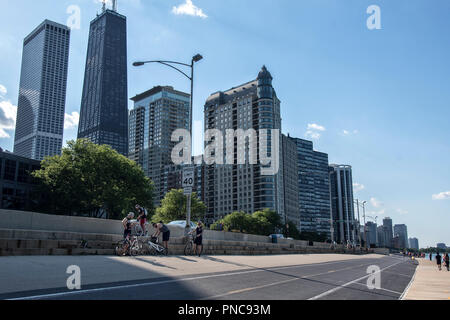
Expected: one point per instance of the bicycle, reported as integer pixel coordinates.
(134, 247)
(136, 229)
(189, 248)
(152, 247)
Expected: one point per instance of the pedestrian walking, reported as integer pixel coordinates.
(431, 256)
(439, 261)
(447, 261)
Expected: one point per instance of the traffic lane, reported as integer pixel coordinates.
(220, 285)
(393, 283)
(311, 285)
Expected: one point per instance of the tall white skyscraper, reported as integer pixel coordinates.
(42, 93)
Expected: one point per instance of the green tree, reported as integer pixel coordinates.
(88, 179)
(292, 231)
(266, 222)
(173, 207)
(238, 221)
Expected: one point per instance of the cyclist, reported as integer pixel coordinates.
(142, 217)
(198, 242)
(162, 228)
(127, 230)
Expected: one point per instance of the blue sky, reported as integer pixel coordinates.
(375, 99)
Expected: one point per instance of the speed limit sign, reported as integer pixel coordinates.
(188, 178)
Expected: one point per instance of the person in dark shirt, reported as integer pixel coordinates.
(142, 218)
(439, 261)
(198, 242)
(447, 261)
(161, 228)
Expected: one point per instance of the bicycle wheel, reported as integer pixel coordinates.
(188, 249)
(119, 250)
(135, 248)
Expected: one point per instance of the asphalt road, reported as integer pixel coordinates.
(335, 280)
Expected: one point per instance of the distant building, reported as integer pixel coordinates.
(388, 229)
(342, 203)
(401, 231)
(16, 182)
(381, 235)
(42, 92)
(313, 185)
(414, 243)
(441, 246)
(157, 113)
(104, 103)
(371, 229)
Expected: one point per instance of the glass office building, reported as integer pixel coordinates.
(157, 113)
(42, 92)
(104, 103)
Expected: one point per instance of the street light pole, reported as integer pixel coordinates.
(359, 222)
(170, 64)
(364, 216)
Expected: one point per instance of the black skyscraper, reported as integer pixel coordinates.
(104, 109)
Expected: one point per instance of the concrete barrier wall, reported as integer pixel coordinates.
(20, 220)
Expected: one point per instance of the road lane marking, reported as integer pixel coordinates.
(279, 283)
(80, 292)
(391, 291)
(326, 293)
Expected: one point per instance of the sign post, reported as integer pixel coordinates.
(187, 184)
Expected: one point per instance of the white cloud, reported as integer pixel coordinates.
(358, 187)
(376, 213)
(376, 203)
(3, 90)
(314, 131)
(348, 132)
(402, 212)
(71, 120)
(188, 8)
(316, 127)
(442, 196)
(8, 114)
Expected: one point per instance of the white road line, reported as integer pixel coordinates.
(80, 292)
(280, 282)
(350, 283)
(391, 291)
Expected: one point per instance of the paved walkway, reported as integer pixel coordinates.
(429, 283)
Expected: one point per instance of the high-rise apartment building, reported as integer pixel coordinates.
(312, 187)
(291, 181)
(381, 237)
(341, 182)
(42, 92)
(401, 231)
(157, 113)
(245, 187)
(104, 103)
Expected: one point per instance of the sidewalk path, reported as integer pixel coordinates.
(429, 283)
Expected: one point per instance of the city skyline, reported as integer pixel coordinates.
(350, 139)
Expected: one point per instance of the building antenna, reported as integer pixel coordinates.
(104, 6)
(114, 5)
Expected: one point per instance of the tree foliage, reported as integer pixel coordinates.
(88, 179)
(259, 223)
(174, 207)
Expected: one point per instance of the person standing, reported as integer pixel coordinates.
(142, 218)
(431, 256)
(447, 261)
(439, 261)
(198, 242)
